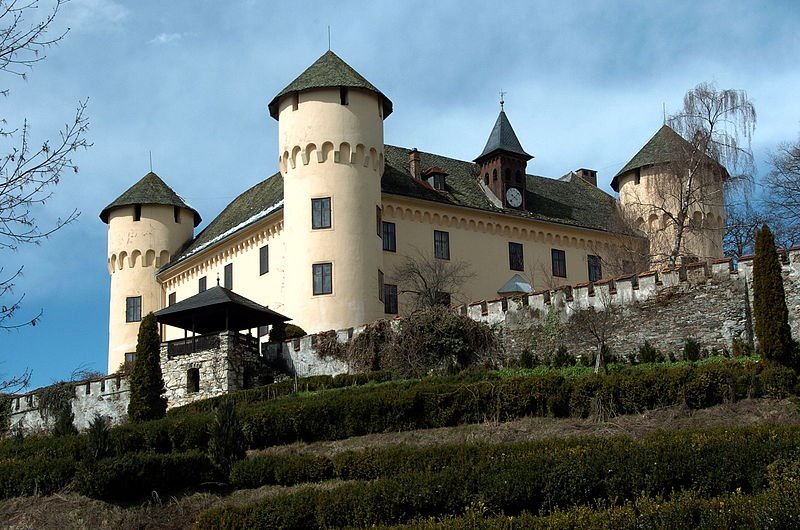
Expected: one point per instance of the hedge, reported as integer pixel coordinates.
(776, 508)
(35, 476)
(526, 477)
(138, 475)
(428, 404)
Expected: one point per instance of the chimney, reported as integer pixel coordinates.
(413, 159)
(589, 175)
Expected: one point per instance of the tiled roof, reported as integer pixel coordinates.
(149, 190)
(329, 71)
(503, 138)
(568, 200)
(665, 146)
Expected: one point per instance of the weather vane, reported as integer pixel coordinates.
(502, 98)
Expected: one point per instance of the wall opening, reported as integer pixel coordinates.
(193, 380)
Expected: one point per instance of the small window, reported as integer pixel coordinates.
(172, 298)
(380, 285)
(263, 260)
(516, 261)
(228, 276)
(494, 175)
(137, 212)
(321, 213)
(130, 357)
(390, 299)
(438, 182)
(378, 220)
(518, 176)
(176, 213)
(323, 278)
(508, 174)
(441, 244)
(201, 284)
(559, 263)
(193, 380)
(389, 238)
(637, 176)
(296, 101)
(486, 179)
(133, 309)
(263, 331)
(595, 268)
(343, 95)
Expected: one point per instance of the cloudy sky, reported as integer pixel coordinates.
(189, 81)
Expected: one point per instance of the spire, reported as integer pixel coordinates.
(503, 137)
(329, 71)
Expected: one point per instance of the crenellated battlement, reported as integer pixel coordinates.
(328, 152)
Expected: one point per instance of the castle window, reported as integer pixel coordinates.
(389, 237)
(595, 268)
(171, 299)
(133, 309)
(438, 182)
(176, 213)
(508, 174)
(486, 179)
(137, 212)
(380, 285)
(321, 213)
(296, 101)
(390, 299)
(343, 95)
(516, 262)
(494, 175)
(378, 219)
(441, 244)
(518, 176)
(323, 278)
(193, 380)
(263, 260)
(228, 276)
(201, 284)
(130, 357)
(637, 176)
(559, 258)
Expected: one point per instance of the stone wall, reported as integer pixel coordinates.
(702, 302)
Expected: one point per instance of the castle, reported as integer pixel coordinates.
(321, 240)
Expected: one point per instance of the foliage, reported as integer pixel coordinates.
(691, 350)
(28, 173)
(147, 401)
(5, 413)
(282, 331)
(65, 423)
(396, 484)
(55, 402)
(226, 441)
(98, 438)
(35, 475)
(769, 304)
(561, 358)
(649, 354)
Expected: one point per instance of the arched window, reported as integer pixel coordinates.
(486, 179)
(192, 380)
(494, 175)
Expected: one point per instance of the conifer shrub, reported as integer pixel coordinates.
(649, 354)
(147, 400)
(226, 440)
(691, 350)
(562, 358)
(771, 315)
(98, 438)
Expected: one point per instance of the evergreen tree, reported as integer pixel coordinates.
(226, 442)
(769, 304)
(147, 385)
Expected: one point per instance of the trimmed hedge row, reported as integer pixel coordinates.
(776, 508)
(285, 388)
(137, 475)
(427, 404)
(537, 477)
(31, 476)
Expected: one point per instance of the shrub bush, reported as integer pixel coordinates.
(226, 441)
(649, 354)
(30, 476)
(533, 477)
(691, 350)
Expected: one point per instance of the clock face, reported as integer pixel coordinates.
(514, 197)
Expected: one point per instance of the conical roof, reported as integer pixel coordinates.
(149, 190)
(665, 146)
(329, 71)
(503, 138)
(516, 285)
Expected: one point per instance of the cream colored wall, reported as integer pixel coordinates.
(242, 251)
(332, 150)
(481, 239)
(647, 201)
(135, 251)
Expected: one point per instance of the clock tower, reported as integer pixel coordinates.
(503, 163)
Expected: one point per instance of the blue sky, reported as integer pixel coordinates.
(190, 81)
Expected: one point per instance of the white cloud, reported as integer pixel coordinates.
(164, 38)
(88, 15)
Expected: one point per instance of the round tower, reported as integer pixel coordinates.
(649, 191)
(146, 225)
(331, 153)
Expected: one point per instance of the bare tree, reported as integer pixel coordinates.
(431, 281)
(598, 322)
(783, 192)
(682, 208)
(742, 221)
(30, 168)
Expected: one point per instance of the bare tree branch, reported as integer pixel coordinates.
(431, 281)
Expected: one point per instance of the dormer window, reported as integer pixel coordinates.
(435, 177)
(438, 182)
